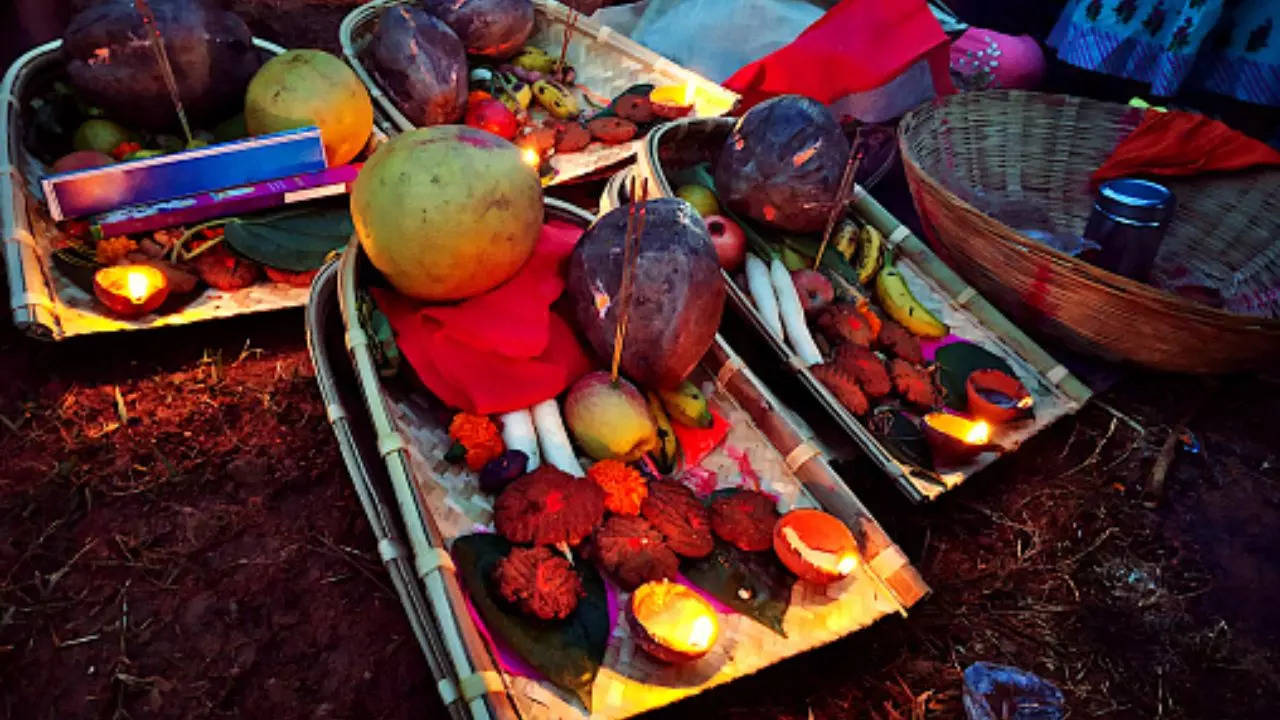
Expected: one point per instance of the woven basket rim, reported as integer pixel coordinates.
(1083, 271)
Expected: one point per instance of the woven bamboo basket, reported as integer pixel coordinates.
(607, 63)
(678, 145)
(45, 303)
(1038, 150)
(438, 502)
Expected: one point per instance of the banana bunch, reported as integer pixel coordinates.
(845, 239)
(901, 305)
(556, 99)
(534, 59)
(667, 455)
(512, 91)
(687, 405)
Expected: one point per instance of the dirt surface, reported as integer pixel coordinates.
(178, 539)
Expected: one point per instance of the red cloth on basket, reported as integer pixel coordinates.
(1181, 143)
(856, 46)
(500, 351)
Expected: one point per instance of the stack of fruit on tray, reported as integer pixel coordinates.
(586, 469)
(126, 104)
(843, 309)
(444, 62)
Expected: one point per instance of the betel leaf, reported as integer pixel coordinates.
(901, 436)
(78, 264)
(569, 651)
(297, 240)
(753, 583)
(956, 362)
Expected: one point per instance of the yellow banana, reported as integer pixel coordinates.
(687, 405)
(870, 253)
(667, 455)
(536, 59)
(896, 299)
(557, 100)
(845, 238)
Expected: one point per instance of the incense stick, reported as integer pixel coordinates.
(630, 242)
(842, 195)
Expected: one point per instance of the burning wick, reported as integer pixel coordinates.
(531, 157)
(979, 434)
(1025, 402)
(847, 564)
(702, 632)
(690, 93)
(138, 286)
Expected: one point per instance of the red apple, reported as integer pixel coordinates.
(729, 240)
(491, 115)
(814, 288)
(81, 160)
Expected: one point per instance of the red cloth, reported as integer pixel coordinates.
(1181, 143)
(858, 45)
(500, 351)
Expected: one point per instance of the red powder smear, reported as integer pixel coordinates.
(483, 143)
(700, 480)
(770, 212)
(750, 478)
(554, 502)
(697, 443)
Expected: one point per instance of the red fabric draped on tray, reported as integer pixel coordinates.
(1177, 143)
(856, 46)
(500, 351)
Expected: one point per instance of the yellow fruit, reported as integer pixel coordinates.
(532, 58)
(701, 198)
(311, 87)
(687, 405)
(870, 254)
(897, 300)
(845, 238)
(667, 455)
(610, 420)
(558, 101)
(447, 212)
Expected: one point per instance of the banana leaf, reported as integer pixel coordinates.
(297, 240)
(901, 436)
(78, 264)
(956, 362)
(568, 652)
(755, 584)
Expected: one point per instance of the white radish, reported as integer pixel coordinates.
(556, 448)
(762, 294)
(793, 314)
(518, 434)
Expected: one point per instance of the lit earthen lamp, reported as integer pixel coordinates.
(673, 101)
(955, 439)
(130, 291)
(671, 622)
(815, 545)
(996, 397)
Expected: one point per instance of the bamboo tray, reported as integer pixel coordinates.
(44, 302)
(607, 63)
(438, 502)
(1057, 392)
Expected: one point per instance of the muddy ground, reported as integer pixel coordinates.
(178, 540)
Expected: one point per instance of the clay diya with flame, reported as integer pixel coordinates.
(672, 623)
(955, 439)
(815, 545)
(997, 397)
(130, 291)
(673, 101)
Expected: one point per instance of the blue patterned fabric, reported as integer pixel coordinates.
(1229, 47)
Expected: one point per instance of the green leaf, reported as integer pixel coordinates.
(569, 651)
(901, 436)
(78, 264)
(755, 584)
(297, 240)
(831, 260)
(956, 362)
(643, 89)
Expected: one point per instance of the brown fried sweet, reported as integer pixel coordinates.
(223, 269)
(538, 581)
(612, 130)
(913, 383)
(745, 519)
(548, 506)
(296, 279)
(842, 323)
(844, 386)
(680, 516)
(866, 367)
(899, 342)
(635, 108)
(572, 137)
(633, 551)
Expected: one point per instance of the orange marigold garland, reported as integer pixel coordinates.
(624, 487)
(475, 439)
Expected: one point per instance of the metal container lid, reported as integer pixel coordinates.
(1136, 202)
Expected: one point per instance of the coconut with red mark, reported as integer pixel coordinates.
(815, 545)
(671, 622)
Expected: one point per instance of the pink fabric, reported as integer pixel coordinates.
(988, 59)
